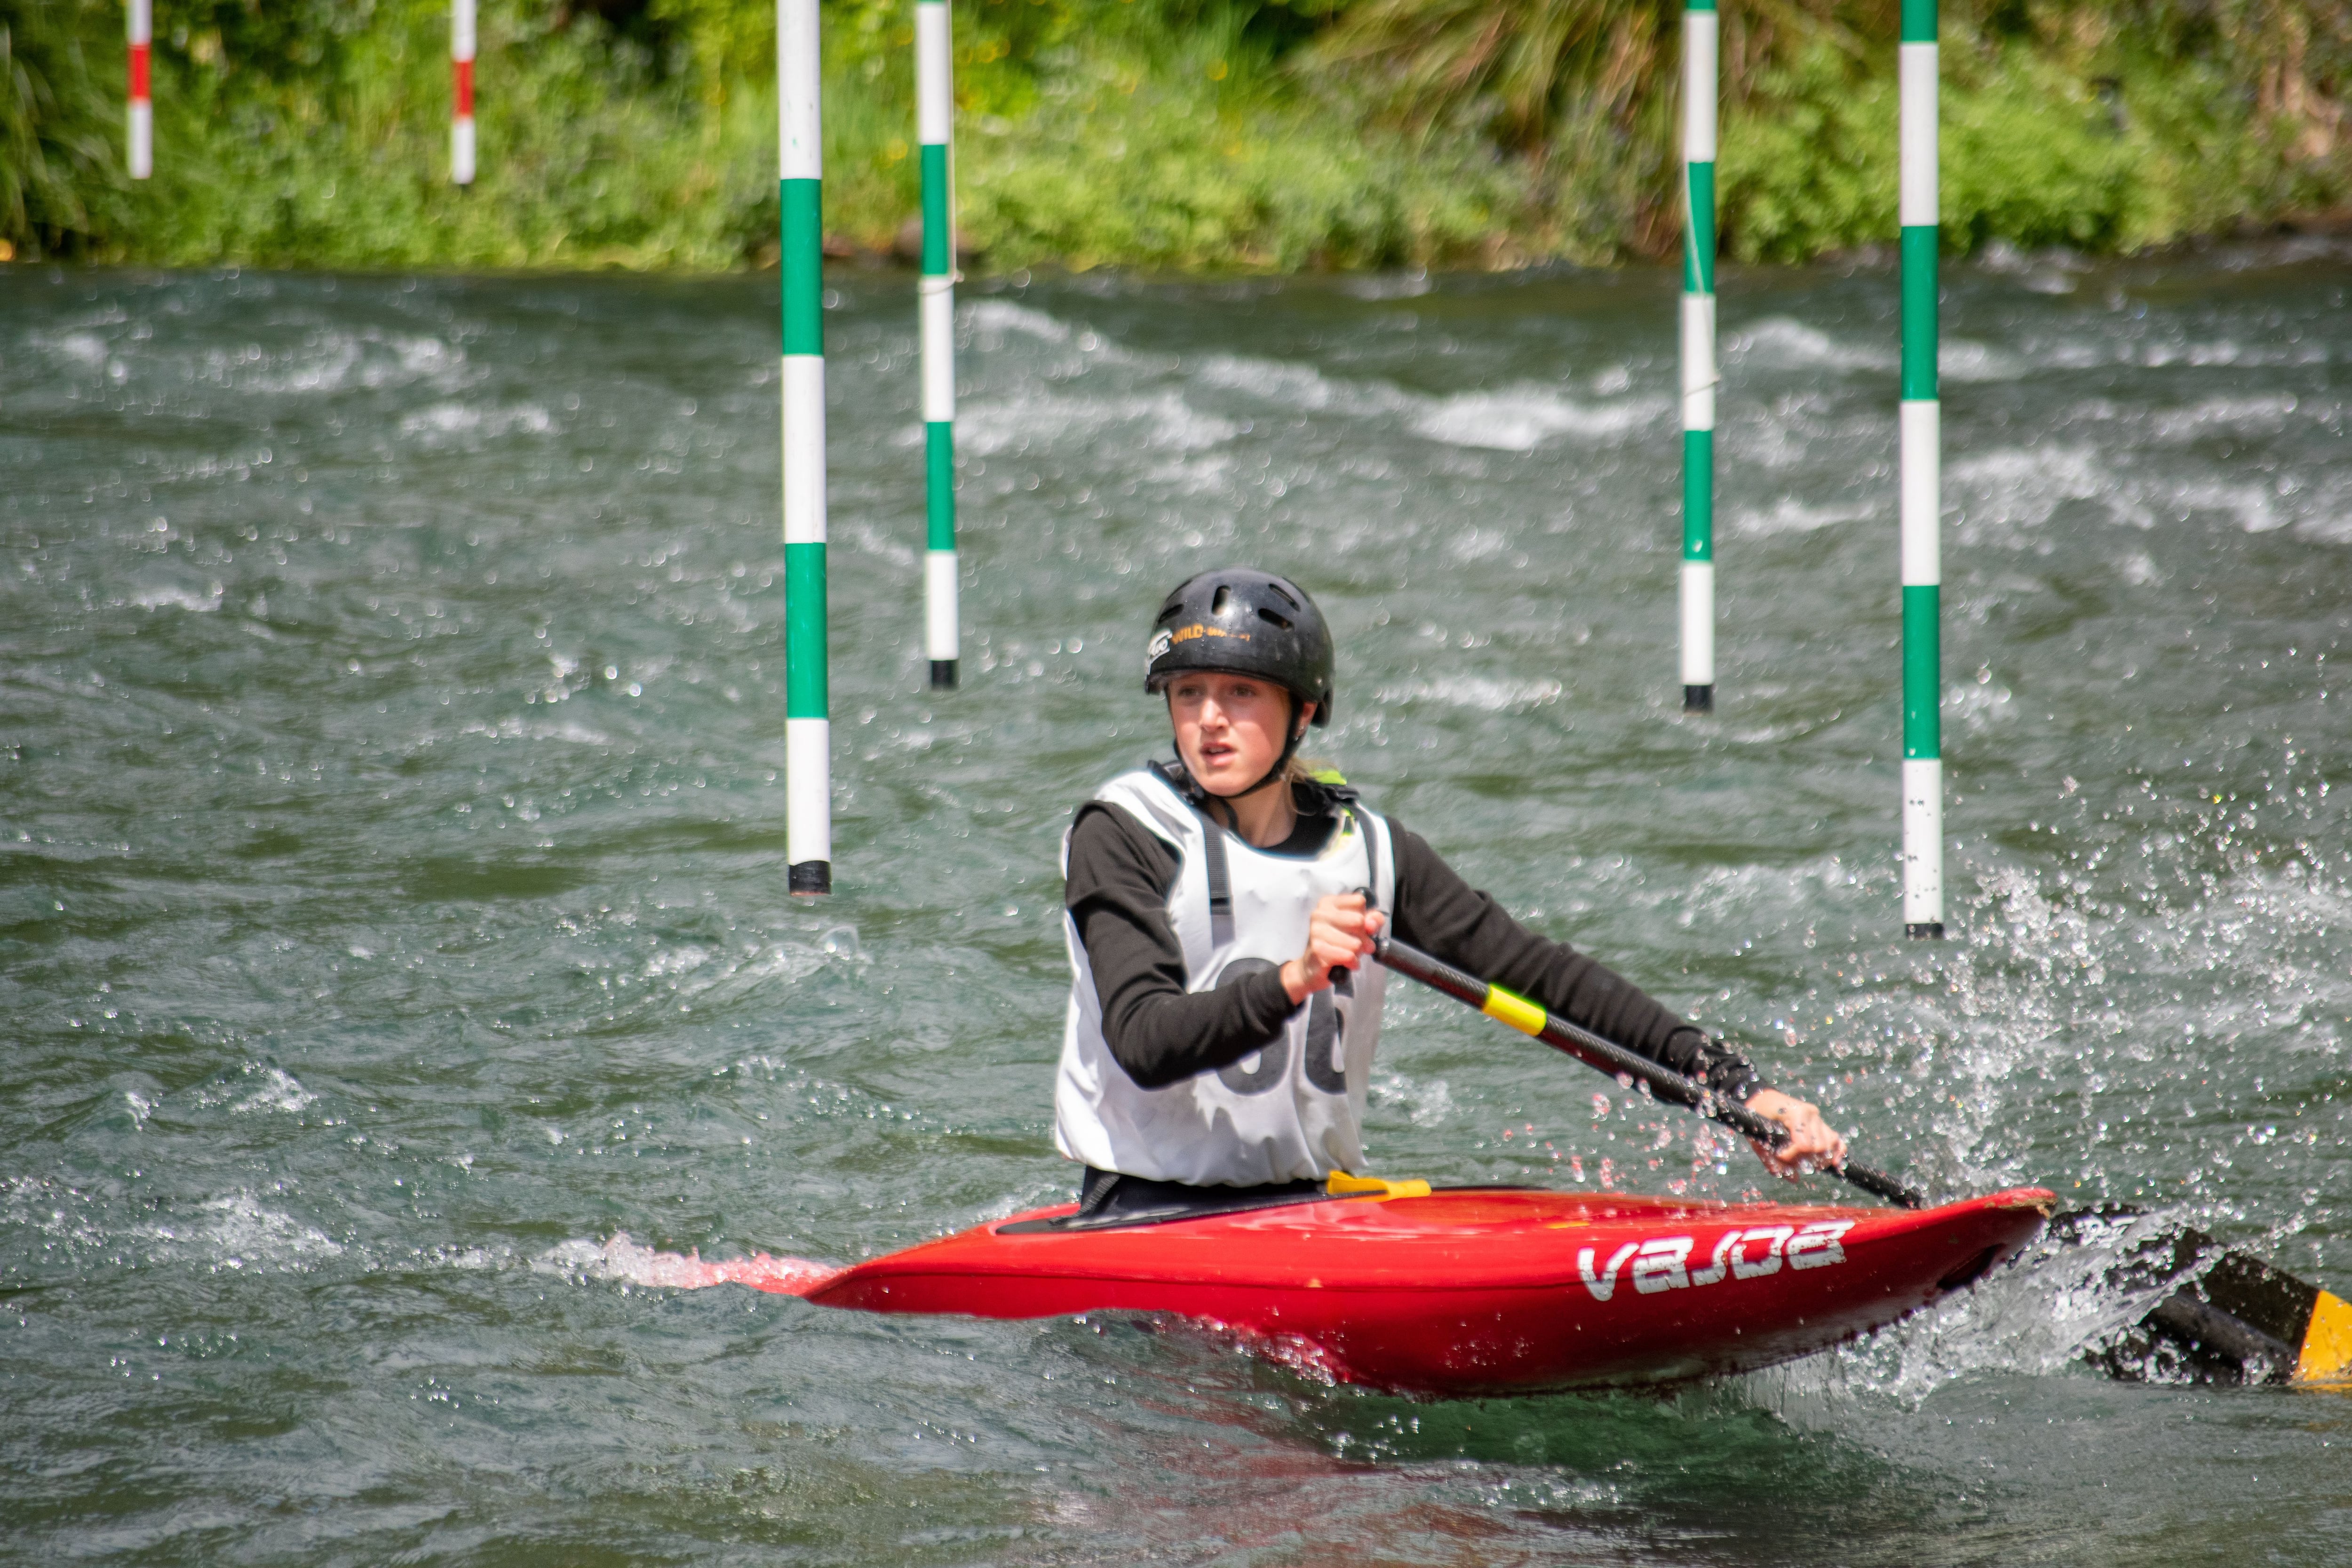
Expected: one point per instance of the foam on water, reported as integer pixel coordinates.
(619, 1260)
(1790, 515)
(1783, 343)
(1520, 420)
(1164, 421)
(447, 421)
(1490, 695)
(242, 1234)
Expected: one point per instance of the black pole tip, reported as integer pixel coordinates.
(809, 877)
(943, 675)
(1931, 930)
(1699, 699)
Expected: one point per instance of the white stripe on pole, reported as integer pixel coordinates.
(1699, 53)
(1698, 623)
(803, 449)
(461, 98)
(1701, 375)
(934, 94)
(798, 121)
(940, 628)
(1922, 456)
(142, 140)
(140, 154)
(1923, 841)
(938, 346)
(808, 790)
(1919, 192)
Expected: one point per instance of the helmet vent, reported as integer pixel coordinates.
(1272, 616)
(1285, 595)
(1224, 596)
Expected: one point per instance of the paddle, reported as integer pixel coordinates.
(2238, 1315)
(1608, 1057)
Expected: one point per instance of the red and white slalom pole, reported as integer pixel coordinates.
(461, 100)
(142, 107)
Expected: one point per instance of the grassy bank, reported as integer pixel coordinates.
(1185, 134)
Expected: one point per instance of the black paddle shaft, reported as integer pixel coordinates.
(1608, 1057)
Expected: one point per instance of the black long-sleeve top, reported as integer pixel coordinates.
(1120, 877)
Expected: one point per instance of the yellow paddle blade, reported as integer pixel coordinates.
(2327, 1343)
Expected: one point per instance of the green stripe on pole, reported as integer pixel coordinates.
(803, 264)
(1923, 725)
(938, 468)
(1918, 21)
(1698, 243)
(1698, 495)
(805, 650)
(1919, 312)
(935, 212)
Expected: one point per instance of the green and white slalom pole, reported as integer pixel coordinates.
(1922, 488)
(1699, 375)
(934, 127)
(808, 744)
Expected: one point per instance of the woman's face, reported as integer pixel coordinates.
(1229, 728)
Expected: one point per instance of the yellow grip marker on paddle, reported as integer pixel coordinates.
(1510, 1007)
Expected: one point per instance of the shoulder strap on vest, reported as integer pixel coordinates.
(1369, 824)
(1221, 883)
(1379, 852)
(1212, 854)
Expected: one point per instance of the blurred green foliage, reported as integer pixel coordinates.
(1185, 133)
(60, 127)
(2133, 141)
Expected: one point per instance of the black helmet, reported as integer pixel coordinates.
(1241, 621)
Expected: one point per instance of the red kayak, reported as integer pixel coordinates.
(1475, 1290)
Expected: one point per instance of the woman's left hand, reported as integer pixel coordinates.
(1812, 1144)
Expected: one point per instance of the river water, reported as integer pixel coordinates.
(396, 949)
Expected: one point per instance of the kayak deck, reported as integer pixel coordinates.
(1477, 1290)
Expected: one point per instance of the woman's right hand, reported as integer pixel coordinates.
(1339, 936)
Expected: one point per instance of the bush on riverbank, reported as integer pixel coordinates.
(1185, 134)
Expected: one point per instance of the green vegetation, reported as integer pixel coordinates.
(1160, 133)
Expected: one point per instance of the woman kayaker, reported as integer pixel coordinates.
(1220, 909)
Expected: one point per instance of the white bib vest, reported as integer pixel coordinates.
(1290, 1111)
